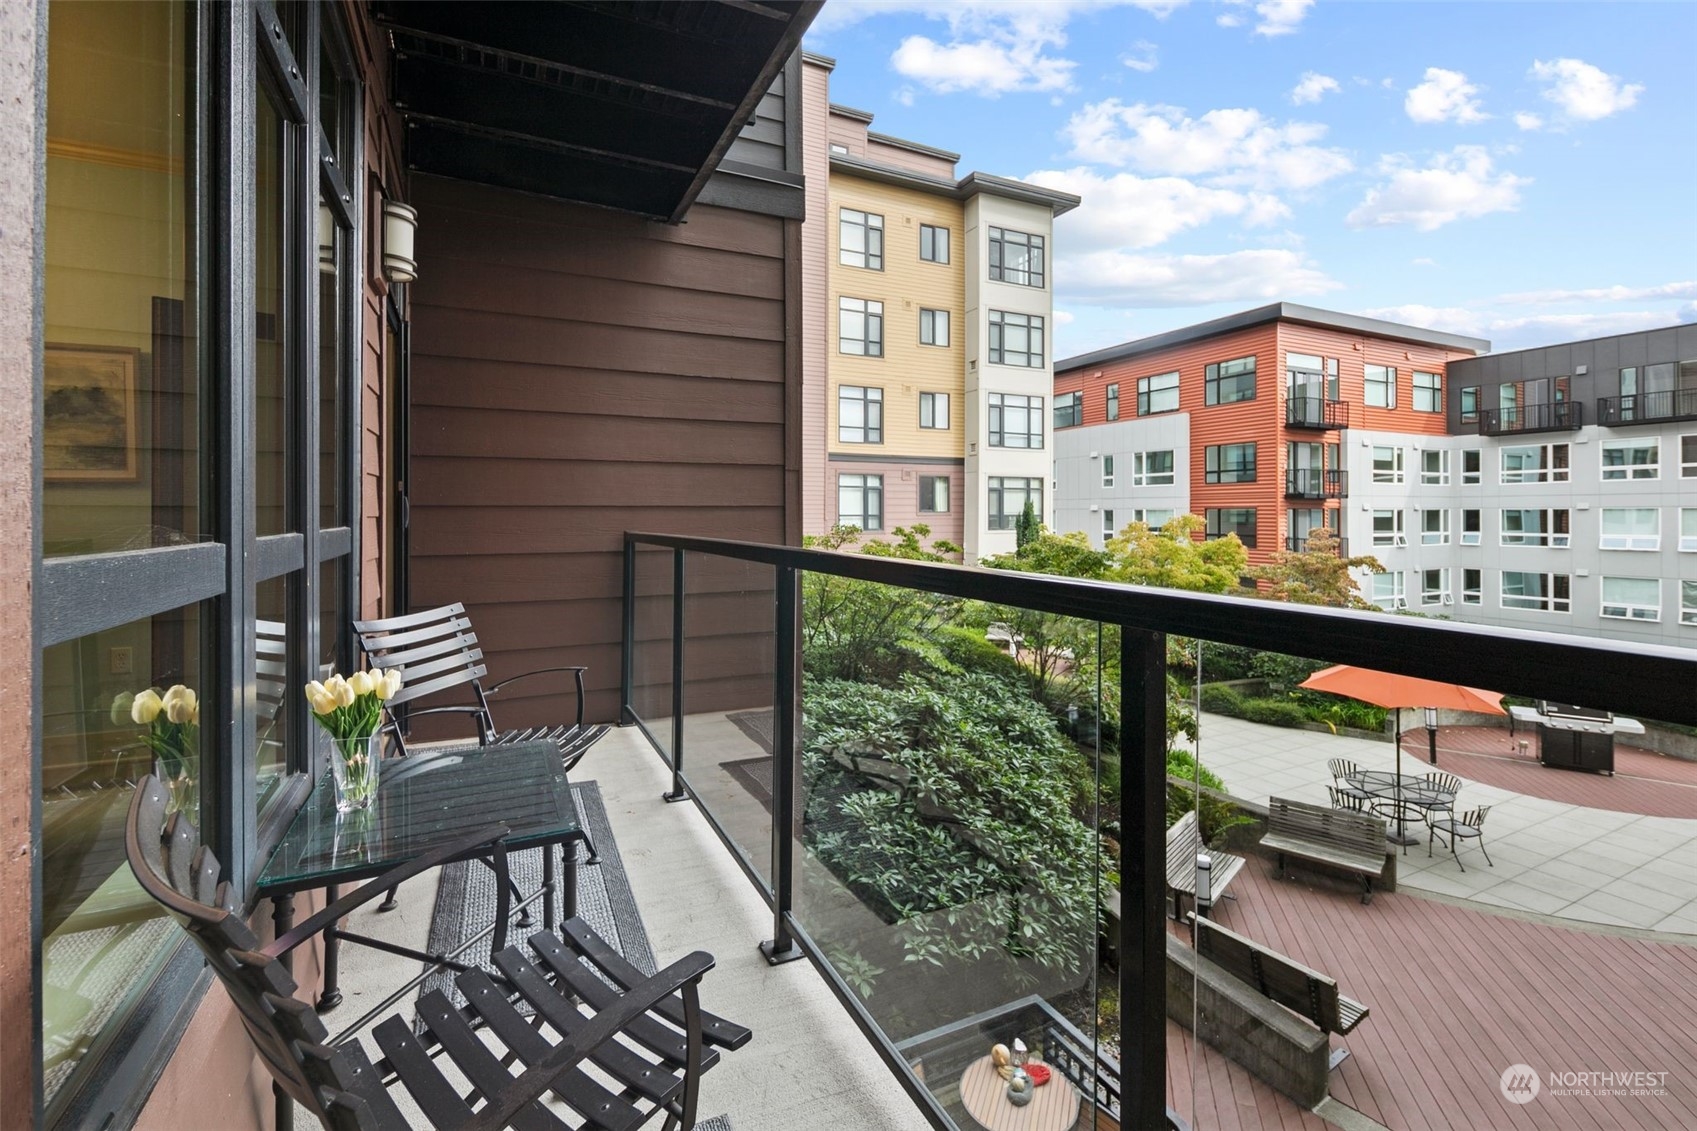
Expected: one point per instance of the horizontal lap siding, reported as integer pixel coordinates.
(576, 374)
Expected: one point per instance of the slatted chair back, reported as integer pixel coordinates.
(435, 650)
(1356, 834)
(1341, 768)
(1474, 818)
(1291, 984)
(1444, 783)
(1343, 799)
(182, 874)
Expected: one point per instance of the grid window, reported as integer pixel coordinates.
(1428, 392)
(1069, 410)
(860, 415)
(1152, 469)
(1108, 529)
(1016, 257)
(1688, 602)
(1434, 587)
(934, 494)
(1470, 524)
(933, 243)
(1016, 339)
(1688, 530)
(861, 239)
(1470, 408)
(1113, 402)
(1688, 457)
(1008, 497)
(933, 327)
(860, 501)
(1387, 464)
(933, 410)
(1230, 463)
(860, 327)
(1107, 471)
(1434, 528)
(1435, 468)
(1232, 520)
(1152, 518)
(1227, 382)
(1535, 463)
(1632, 598)
(1388, 591)
(1472, 586)
(1632, 459)
(1544, 592)
(1380, 386)
(1471, 467)
(1387, 529)
(1631, 528)
(1160, 394)
(1536, 528)
(1015, 421)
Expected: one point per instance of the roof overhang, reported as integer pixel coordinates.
(968, 186)
(629, 106)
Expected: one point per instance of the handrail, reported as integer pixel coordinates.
(1655, 681)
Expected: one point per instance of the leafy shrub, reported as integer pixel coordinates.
(1222, 700)
(1227, 661)
(968, 650)
(1215, 815)
(1283, 673)
(1275, 712)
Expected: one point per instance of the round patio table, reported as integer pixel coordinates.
(1402, 791)
(1053, 1107)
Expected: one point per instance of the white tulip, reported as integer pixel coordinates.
(361, 683)
(180, 704)
(146, 707)
(390, 685)
(318, 697)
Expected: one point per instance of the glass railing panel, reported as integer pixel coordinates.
(651, 651)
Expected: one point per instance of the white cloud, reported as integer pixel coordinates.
(1114, 278)
(1274, 17)
(1461, 184)
(1604, 294)
(1528, 121)
(1424, 261)
(1585, 93)
(1065, 317)
(1128, 211)
(983, 66)
(1445, 96)
(1229, 19)
(1236, 146)
(1312, 87)
(1511, 332)
(1142, 57)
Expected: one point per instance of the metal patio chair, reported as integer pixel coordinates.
(1449, 786)
(1343, 798)
(647, 1037)
(1340, 769)
(1469, 826)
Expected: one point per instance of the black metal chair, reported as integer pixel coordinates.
(1340, 769)
(1343, 798)
(1469, 826)
(646, 1037)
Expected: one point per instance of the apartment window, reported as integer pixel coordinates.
(1435, 468)
(1536, 528)
(1016, 339)
(860, 415)
(933, 327)
(1631, 528)
(1428, 392)
(1304, 522)
(1015, 422)
(1160, 394)
(934, 494)
(1008, 497)
(861, 239)
(1470, 524)
(839, 148)
(1688, 602)
(1113, 402)
(1152, 469)
(1230, 463)
(1545, 592)
(860, 327)
(860, 501)
(1230, 381)
(1152, 518)
(1387, 464)
(1471, 466)
(1535, 463)
(1108, 529)
(1472, 586)
(933, 243)
(1632, 459)
(1069, 410)
(1388, 591)
(1381, 386)
(1688, 530)
(1387, 529)
(1232, 520)
(1434, 587)
(1688, 457)
(933, 410)
(1310, 377)
(1632, 598)
(1434, 528)
(1470, 408)
(1107, 471)
(1016, 257)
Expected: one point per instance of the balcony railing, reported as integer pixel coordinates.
(1315, 483)
(1316, 412)
(1555, 416)
(1646, 408)
(883, 860)
(1298, 543)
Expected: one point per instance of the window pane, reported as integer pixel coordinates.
(121, 376)
(272, 740)
(271, 317)
(331, 445)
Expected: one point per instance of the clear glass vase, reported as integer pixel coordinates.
(354, 763)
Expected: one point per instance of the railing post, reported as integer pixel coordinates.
(677, 792)
(627, 671)
(786, 679)
(1143, 871)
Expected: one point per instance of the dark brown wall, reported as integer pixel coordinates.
(576, 374)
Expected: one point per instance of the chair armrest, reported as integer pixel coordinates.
(490, 837)
(685, 974)
(576, 672)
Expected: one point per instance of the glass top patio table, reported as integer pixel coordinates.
(423, 802)
(1407, 788)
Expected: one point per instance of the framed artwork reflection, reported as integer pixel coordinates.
(88, 413)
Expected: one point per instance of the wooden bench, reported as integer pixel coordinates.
(1353, 842)
(1184, 841)
(1305, 992)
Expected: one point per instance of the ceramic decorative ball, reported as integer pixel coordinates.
(1019, 1088)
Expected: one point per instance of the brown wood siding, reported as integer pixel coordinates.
(577, 374)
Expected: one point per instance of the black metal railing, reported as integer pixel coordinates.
(1315, 483)
(1555, 416)
(1316, 412)
(1656, 681)
(1646, 408)
(1298, 543)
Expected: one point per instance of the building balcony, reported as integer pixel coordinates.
(1298, 543)
(1314, 483)
(1556, 416)
(1647, 408)
(1317, 413)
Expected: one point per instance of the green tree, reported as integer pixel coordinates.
(1172, 558)
(1316, 574)
(1026, 527)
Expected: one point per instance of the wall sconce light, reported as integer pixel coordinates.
(400, 225)
(326, 240)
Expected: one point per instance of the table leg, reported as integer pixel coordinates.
(283, 918)
(503, 899)
(571, 881)
(548, 885)
(331, 996)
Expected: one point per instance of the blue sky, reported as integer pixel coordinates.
(1524, 172)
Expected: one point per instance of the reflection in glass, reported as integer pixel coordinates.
(272, 737)
(331, 443)
(271, 319)
(335, 629)
(651, 659)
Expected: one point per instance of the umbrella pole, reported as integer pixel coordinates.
(1402, 836)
